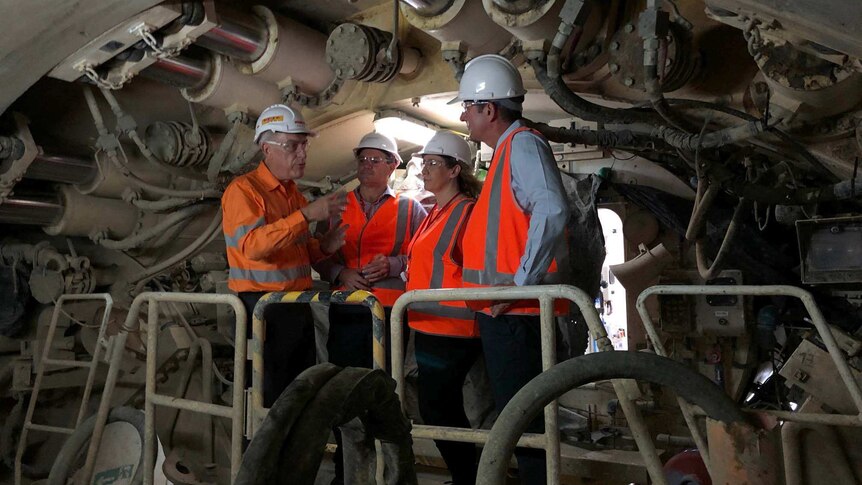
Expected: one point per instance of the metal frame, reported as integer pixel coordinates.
(550, 439)
(768, 290)
(45, 360)
(359, 297)
(235, 412)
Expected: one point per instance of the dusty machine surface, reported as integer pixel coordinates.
(726, 137)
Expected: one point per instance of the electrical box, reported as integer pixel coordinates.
(719, 315)
(830, 250)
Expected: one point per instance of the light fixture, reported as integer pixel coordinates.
(404, 127)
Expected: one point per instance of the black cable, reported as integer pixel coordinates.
(815, 163)
(853, 180)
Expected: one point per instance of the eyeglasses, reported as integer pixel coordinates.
(372, 160)
(290, 146)
(467, 104)
(431, 163)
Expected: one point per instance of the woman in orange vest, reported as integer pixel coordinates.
(446, 334)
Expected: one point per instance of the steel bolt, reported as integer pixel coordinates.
(339, 72)
(722, 321)
(801, 376)
(629, 28)
(329, 59)
(614, 67)
(615, 45)
(628, 81)
(362, 60)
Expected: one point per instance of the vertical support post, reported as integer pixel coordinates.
(150, 390)
(549, 358)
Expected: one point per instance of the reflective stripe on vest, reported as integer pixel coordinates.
(232, 241)
(492, 258)
(271, 275)
(440, 318)
(361, 245)
(401, 228)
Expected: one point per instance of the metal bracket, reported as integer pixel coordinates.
(19, 167)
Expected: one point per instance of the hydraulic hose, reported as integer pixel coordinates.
(141, 237)
(708, 272)
(580, 107)
(602, 138)
(190, 250)
(161, 205)
(551, 384)
(289, 445)
(800, 150)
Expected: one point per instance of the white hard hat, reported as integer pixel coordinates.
(280, 118)
(489, 77)
(378, 141)
(448, 144)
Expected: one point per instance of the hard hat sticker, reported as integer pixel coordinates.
(272, 119)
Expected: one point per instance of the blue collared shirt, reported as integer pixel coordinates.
(538, 190)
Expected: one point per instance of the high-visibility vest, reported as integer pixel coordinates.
(496, 236)
(431, 266)
(387, 233)
(269, 247)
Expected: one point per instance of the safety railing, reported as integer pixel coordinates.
(768, 290)
(550, 439)
(46, 360)
(234, 413)
(360, 297)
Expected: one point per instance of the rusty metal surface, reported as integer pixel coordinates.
(743, 455)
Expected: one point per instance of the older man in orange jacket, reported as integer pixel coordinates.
(269, 246)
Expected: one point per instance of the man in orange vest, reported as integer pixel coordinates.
(515, 235)
(269, 247)
(380, 225)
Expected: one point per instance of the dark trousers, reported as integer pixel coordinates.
(350, 345)
(443, 365)
(289, 345)
(513, 356)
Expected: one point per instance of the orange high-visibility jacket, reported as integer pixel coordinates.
(387, 233)
(496, 235)
(269, 246)
(434, 261)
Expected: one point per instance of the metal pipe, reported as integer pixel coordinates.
(429, 8)
(37, 209)
(65, 168)
(549, 358)
(829, 449)
(180, 71)
(516, 6)
(478, 436)
(239, 35)
(673, 440)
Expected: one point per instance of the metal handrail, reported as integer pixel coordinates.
(817, 319)
(767, 290)
(235, 412)
(46, 360)
(550, 440)
(359, 297)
